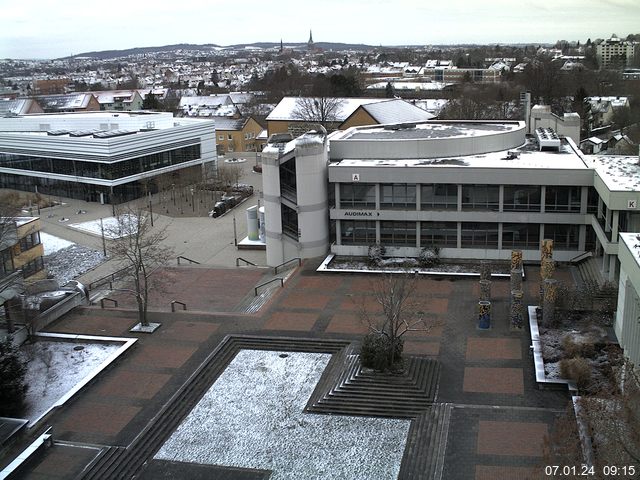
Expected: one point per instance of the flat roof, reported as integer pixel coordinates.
(526, 156)
(430, 129)
(618, 172)
(632, 241)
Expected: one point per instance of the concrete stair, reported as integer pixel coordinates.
(356, 391)
(426, 443)
(589, 271)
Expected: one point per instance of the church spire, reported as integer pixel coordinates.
(310, 42)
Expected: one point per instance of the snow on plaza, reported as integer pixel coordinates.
(54, 368)
(110, 225)
(252, 417)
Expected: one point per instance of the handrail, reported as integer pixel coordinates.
(298, 259)
(245, 261)
(187, 259)
(255, 290)
(582, 256)
(106, 279)
(115, 302)
(173, 305)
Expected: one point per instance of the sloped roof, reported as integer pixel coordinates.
(18, 106)
(226, 123)
(286, 109)
(108, 96)
(64, 102)
(205, 101)
(396, 111)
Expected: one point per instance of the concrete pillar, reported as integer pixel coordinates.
(252, 223)
(516, 279)
(485, 290)
(485, 270)
(550, 300)
(484, 315)
(516, 314)
(516, 259)
(546, 248)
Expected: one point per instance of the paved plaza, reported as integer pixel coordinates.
(499, 416)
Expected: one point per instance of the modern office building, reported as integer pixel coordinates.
(103, 156)
(474, 189)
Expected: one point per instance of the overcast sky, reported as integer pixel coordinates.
(51, 29)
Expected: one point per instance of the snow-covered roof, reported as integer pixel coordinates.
(64, 102)
(529, 157)
(286, 109)
(107, 97)
(19, 106)
(226, 123)
(632, 241)
(615, 102)
(205, 101)
(396, 110)
(618, 172)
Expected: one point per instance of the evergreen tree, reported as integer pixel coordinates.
(389, 92)
(12, 386)
(150, 102)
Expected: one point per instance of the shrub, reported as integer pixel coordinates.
(12, 386)
(376, 253)
(576, 369)
(375, 351)
(429, 257)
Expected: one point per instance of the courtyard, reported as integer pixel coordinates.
(493, 426)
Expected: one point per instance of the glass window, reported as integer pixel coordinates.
(29, 241)
(479, 235)
(565, 237)
(289, 222)
(438, 234)
(437, 196)
(357, 195)
(520, 235)
(398, 233)
(398, 196)
(480, 197)
(521, 198)
(358, 232)
(562, 199)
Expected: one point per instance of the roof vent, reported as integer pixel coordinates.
(547, 139)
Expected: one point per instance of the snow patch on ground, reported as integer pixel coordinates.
(112, 228)
(71, 262)
(252, 417)
(54, 368)
(52, 243)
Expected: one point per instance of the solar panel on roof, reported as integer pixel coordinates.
(113, 133)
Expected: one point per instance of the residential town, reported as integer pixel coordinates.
(322, 260)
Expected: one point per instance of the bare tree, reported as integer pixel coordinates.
(608, 424)
(314, 110)
(140, 249)
(401, 313)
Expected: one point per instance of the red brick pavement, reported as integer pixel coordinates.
(494, 348)
(511, 438)
(90, 324)
(129, 384)
(493, 380)
(322, 284)
(163, 356)
(188, 331)
(492, 472)
(98, 418)
(347, 323)
(300, 299)
(302, 322)
(62, 461)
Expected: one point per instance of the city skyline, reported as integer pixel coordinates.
(41, 29)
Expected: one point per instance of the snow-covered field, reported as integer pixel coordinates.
(52, 243)
(112, 229)
(54, 368)
(252, 417)
(71, 262)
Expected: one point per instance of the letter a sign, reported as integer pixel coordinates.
(355, 177)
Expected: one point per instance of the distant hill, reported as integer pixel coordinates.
(101, 55)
